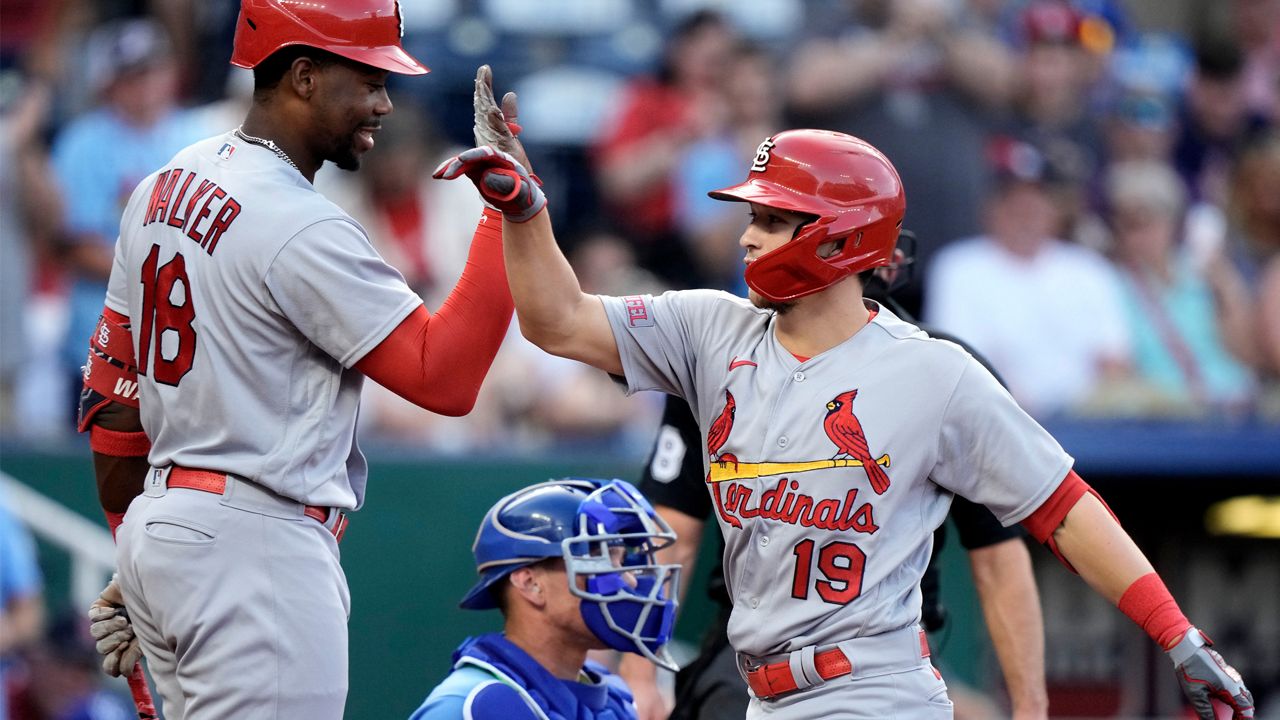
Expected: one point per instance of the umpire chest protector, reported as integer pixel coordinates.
(524, 689)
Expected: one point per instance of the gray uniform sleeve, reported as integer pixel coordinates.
(117, 298)
(330, 282)
(656, 338)
(991, 452)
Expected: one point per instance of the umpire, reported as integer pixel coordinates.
(711, 688)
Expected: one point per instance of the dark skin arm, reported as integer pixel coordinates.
(120, 479)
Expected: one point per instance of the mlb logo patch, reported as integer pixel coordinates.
(226, 151)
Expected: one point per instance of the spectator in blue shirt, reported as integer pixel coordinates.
(101, 156)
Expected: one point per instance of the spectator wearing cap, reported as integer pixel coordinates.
(1183, 310)
(99, 158)
(1140, 126)
(1059, 68)
(1045, 312)
(1146, 80)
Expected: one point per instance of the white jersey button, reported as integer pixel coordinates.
(755, 602)
(764, 541)
(798, 377)
(782, 441)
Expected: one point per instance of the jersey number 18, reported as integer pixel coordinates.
(168, 315)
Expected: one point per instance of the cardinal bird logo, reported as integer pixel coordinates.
(845, 431)
(720, 429)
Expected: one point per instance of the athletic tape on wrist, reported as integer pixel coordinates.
(1148, 603)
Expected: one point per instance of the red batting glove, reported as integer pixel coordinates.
(502, 181)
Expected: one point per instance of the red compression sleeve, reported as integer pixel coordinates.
(438, 361)
(1052, 511)
(1045, 520)
(1148, 603)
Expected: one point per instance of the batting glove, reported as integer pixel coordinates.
(497, 126)
(502, 181)
(1204, 675)
(109, 624)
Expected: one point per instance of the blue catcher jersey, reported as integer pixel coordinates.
(492, 679)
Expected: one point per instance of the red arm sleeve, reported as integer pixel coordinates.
(1042, 523)
(438, 361)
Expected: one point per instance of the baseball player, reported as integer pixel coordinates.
(710, 685)
(835, 434)
(243, 312)
(571, 565)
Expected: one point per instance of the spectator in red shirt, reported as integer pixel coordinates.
(637, 154)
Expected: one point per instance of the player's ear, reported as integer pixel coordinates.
(302, 76)
(528, 585)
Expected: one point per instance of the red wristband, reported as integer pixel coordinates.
(118, 444)
(114, 519)
(1148, 603)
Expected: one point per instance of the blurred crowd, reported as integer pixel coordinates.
(1097, 201)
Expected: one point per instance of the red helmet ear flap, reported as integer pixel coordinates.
(803, 267)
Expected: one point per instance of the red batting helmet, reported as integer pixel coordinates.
(367, 31)
(851, 188)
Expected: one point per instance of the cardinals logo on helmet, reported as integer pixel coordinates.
(762, 157)
(843, 429)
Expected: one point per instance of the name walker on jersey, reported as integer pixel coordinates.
(171, 205)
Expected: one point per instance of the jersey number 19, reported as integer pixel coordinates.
(841, 565)
(168, 316)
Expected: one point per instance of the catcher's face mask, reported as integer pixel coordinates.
(628, 597)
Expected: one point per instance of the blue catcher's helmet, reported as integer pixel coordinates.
(606, 532)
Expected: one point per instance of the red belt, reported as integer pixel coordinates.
(770, 681)
(216, 483)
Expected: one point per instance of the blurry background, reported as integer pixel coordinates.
(1095, 185)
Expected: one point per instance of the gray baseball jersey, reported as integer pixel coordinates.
(829, 475)
(251, 296)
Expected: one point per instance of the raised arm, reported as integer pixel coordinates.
(439, 361)
(553, 311)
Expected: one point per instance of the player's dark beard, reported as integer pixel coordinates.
(346, 159)
(344, 154)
